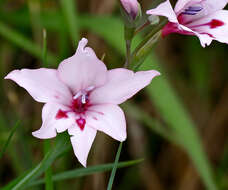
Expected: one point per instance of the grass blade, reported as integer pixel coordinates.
(86, 171)
(69, 12)
(47, 142)
(111, 179)
(48, 173)
(62, 145)
(175, 115)
(9, 138)
(22, 42)
(154, 125)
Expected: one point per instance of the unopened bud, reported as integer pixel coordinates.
(132, 8)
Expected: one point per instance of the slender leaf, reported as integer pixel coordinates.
(22, 42)
(47, 144)
(9, 138)
(86, 171)
(70, 14)
(62, 145)
(154, 125)
(45, 48)
(111, 179)
(48, 173)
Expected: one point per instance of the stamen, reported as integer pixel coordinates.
(84, 98)
(192, 10)
(77, 95)
(90, 88)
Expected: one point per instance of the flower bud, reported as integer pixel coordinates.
(132, 8)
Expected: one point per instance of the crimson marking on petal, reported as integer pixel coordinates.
(61, 114)
(56, 96)
(215, 23)
(208, 34)
(101, 113)
(81, 123)
(94, 118)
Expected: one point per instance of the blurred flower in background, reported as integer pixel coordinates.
(204, 19)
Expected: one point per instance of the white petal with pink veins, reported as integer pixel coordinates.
(53, 121)
(109, 119)
(83, 69)
(183, 4)
(211, 6)
(164, 9)
(195, 11)
(215, 26)
(121, 85)
(82, 141)
(42, 84)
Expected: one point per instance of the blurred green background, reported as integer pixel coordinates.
(178, 124)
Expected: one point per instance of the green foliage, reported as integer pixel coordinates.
(111, 179)
(62, 146)
(9, 138)
(81, 172)
(181, 131)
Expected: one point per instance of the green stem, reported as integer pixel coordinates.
(70, 13)
(141, 28)
(128, 35)
(145, 47)
(111, 179)
(45, 48)
(47, 143)
(128, 54)
(22, 42)
(48, 172)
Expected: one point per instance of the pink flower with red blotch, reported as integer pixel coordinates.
(202, 18)
(82, 96)
(132, 7)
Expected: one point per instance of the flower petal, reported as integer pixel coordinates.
(182, 4)
(83, 69)
(204, 38)
(82, 141)
(42, 84)
(51, 124)
(205, 8)
(109, 119)
(214, 26)
(121, 85)
(164, 9)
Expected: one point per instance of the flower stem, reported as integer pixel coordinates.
(111, 179)
(142, 27)
(45, 48)
(128, 54)
(48, 172)
(47, 143)
(144, 48)
(128, 35)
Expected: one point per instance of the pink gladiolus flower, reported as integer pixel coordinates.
(132, 7)
(202, 18)
(82, 96)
